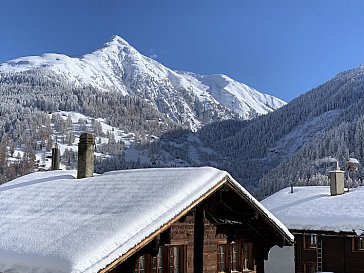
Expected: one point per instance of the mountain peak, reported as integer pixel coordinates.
(116, 39)
(118, 66)
(116, 44)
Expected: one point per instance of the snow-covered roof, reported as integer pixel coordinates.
(52, 222)
(313, 208)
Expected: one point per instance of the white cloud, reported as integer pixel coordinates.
(153, 56)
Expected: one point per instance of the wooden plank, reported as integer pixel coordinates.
(198, 241)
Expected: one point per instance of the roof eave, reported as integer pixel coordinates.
(289, 238)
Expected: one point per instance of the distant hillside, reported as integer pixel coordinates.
(294, 144)
(129, 92)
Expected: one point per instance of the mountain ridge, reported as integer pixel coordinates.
(130, 93)
(117, 66)
(292, 145)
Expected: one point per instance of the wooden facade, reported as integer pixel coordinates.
(318, 251)
(223, 233)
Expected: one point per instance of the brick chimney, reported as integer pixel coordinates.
(85, 156)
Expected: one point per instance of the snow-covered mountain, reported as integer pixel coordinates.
(185, 98)
(242, 99)
(140, 111)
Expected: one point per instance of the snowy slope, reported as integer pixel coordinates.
(242, 99)
(117, 66)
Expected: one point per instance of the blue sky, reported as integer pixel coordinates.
(281, 47)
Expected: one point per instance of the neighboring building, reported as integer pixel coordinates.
(149, 220)
(327, 223)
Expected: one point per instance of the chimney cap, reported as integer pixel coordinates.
(337, 171)
(86, 138)
(352, 164)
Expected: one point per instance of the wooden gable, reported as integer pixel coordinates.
(221, 231)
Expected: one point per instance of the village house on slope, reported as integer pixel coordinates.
(327, 223)
(149, 220)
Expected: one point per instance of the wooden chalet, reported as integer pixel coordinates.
(327, 223)
(325, 251)
(177, 220)
(222, 231)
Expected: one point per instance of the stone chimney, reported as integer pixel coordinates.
(56, 159)
(85, 156)
(336, 181)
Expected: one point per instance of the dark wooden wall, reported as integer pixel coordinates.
(184, 233)
(338, 254)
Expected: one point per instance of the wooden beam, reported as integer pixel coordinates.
(198, 241)
(265, 217)
(128, 266)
